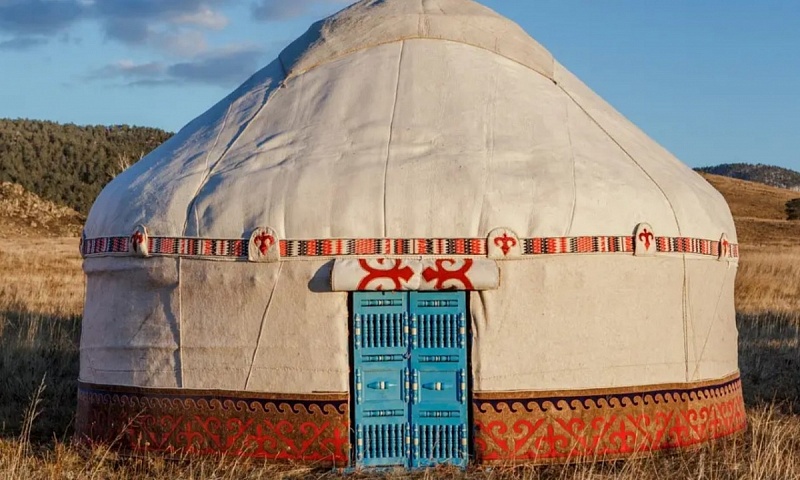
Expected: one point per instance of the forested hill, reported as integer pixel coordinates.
(766, 174)
(70, 164)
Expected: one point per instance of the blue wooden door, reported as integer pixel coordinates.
(410, 379)
(439, 379)
(382, 379)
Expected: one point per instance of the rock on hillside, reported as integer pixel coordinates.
(24, 214)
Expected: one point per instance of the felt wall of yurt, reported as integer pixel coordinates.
(431, 148)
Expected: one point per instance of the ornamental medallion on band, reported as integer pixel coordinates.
(644, 241)
(139, 244)
(503, 243)
(264, 246)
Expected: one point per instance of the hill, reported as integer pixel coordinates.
(24, 214)
(70, 164)
(758, 210)
(766, 174)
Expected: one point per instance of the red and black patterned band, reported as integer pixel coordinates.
(469, 247)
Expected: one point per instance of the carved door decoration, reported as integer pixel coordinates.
(410, 379)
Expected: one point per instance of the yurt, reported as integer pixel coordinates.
(412, 239)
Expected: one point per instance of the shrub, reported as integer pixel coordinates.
(793, 209)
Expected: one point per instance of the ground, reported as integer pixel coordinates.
(41, 297)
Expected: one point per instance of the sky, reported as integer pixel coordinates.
(714, 81)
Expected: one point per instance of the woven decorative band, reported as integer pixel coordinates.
(560, 427)
(307, 428)
(383, 247)
(693, 245)
(544, 246)
(474, 247)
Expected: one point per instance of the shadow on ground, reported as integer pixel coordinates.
(38, 350)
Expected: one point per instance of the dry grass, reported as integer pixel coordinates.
(751, 199)
(769, 281)
(40, 303)
(760, 211)
(768, 233)
(755, 456)
(41, 275)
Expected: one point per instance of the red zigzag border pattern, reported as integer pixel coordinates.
(524, 427)
(605, 425)
(306, 428)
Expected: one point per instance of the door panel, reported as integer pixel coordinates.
(380, 345)
(439, 382)
(410, 378)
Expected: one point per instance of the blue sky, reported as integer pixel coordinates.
(715, 81)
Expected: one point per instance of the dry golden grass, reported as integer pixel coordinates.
(769, 281)
(41, 292)
(751, 199)
(759, 211)
(41, 275)
(755, 456)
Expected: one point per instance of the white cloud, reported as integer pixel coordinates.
(39, 17)
(23, 43)
(227, 67)
(205, 18)
(224, 67)
(174, 26)
(182, 44)
(127, 69)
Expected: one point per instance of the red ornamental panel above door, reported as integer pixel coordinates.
(398, 274)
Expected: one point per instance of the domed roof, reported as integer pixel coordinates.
(403, 119)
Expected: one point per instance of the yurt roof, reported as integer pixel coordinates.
(411, 119)
(376, 22)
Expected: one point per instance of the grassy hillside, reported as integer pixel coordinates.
(70, 164)
(766, 174)
(759, 211)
